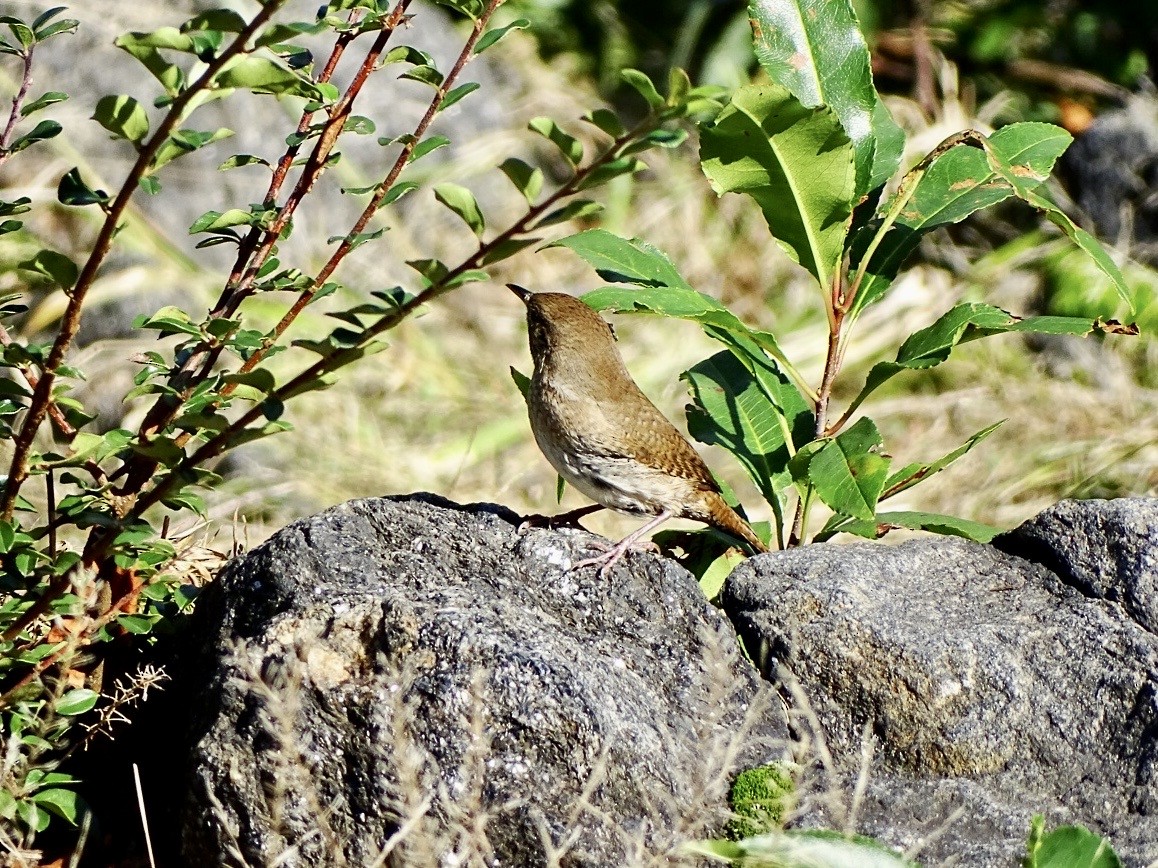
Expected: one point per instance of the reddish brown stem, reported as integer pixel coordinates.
(220, 441)
(38, 408)
(17, 106)
(823, 394)
(256, 247)
(375, 202)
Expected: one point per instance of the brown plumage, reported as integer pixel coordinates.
(603, 435)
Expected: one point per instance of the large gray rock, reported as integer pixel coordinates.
(995, 685)
(411, 665)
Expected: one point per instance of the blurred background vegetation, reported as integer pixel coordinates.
(438, 410)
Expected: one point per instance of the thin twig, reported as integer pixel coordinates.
(220, 441)
(144, 815)
(17, 105)
(255, 248)
(70, 322)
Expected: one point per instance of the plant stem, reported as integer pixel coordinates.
(70, 322)
(823, 394)
(17, 105)
(220, 441)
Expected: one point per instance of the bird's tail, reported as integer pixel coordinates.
(723, 517)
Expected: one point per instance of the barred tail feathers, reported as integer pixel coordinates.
(723, 517)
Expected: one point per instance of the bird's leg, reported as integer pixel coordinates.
(564, 519)
(608, 558)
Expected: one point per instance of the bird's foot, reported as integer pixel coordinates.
(610, 553)
(564, 519)
(609, 558)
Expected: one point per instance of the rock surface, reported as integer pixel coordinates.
(409, 664)
(997, 681)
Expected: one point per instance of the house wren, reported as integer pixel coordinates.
(603, 435)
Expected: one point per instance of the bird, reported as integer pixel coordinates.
(604, 436)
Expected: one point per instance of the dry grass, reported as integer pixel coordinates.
(440, 815)
(437, 411)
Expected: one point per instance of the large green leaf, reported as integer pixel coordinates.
(958, 183)
(966, 322)
(796, 162)
(682, 304)
(815, 49)
(1068, 847)
(848, 472)
(912, 474)
(731, 410)
(623, 260)
(883, 522)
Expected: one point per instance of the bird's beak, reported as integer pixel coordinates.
(523, 294)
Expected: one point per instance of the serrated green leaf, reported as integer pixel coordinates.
(795, 162)
(883, 522)
(1085, 242)
(816, 50)
(957, 184)
(622, 260)
(848, 472)
(731, 410)
(1070, 847)
(967, 322)
(913, 474)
